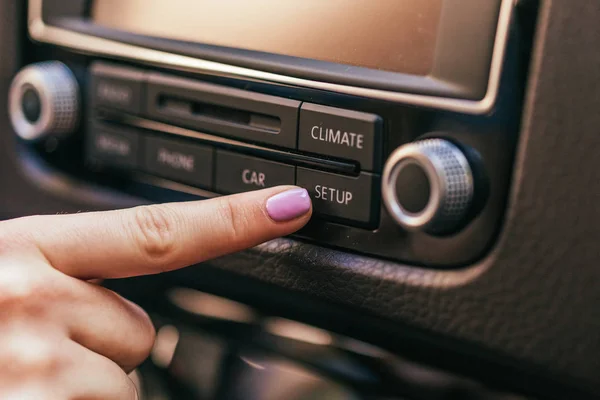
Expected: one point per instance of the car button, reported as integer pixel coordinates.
(341, 133)
(113, 146)
(239, 173)
(353, 199)
(117, 87)
(180, 161)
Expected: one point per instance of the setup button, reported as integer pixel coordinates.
(353, 199)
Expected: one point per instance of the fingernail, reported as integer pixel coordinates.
(288, 205)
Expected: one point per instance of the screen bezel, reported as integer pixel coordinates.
(467, 62)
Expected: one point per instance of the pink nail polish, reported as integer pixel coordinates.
(288, 205)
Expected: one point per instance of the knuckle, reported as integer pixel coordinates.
(20, 288)
(234, 222)
(33, 354)
(154, 229)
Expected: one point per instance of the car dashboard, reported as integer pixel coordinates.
(449, 148)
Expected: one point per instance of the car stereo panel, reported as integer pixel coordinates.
(221, 111)
(409, 163)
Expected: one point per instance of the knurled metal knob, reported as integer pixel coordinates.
(428, 186)
(44, 101)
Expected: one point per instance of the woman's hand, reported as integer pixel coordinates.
(62, 337)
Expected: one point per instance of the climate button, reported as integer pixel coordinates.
(341, 133)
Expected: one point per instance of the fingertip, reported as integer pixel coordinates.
(288, 205)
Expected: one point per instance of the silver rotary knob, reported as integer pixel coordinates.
(44, 101)
(428, 186)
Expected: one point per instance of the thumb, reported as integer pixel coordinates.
(151, 239)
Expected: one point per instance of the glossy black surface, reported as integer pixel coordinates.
(31, 105)
(413, 188)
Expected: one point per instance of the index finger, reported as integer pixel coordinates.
(157, 238)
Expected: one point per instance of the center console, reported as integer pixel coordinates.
(406, 154)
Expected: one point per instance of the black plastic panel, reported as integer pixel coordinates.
(489, 143)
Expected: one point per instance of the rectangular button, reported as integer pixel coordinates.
(116, 87)
(353, 199)
(113, 146)
(341, 133)
(222, 110)
(239, 173)
(180, 161)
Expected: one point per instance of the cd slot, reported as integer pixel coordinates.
(235, 113)
(218, 114)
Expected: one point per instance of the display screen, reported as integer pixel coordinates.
(387, 35)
